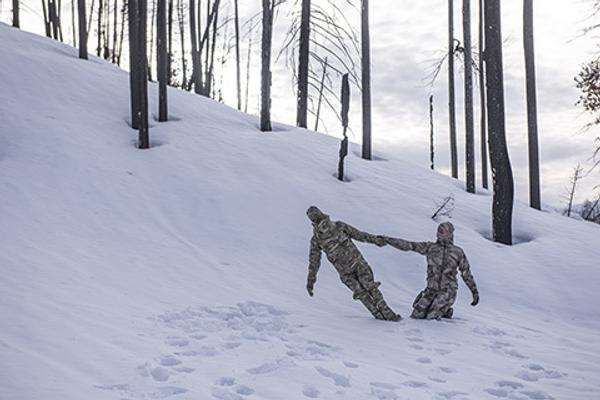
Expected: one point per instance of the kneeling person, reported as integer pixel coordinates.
(335, 239)
(444, 260)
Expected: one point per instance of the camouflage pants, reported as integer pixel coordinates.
(364, 288)
(434, 304)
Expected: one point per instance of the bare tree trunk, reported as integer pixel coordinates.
(122, 33)
(265, 108)
(303, 60)
(451, 95)
(248, 72)
(469, 130)
(366, 81)
(162, 59)
(99, 46)
(210, 75)
(89, 24)
(133, 65)
(483, 123)
(115, 35)
(574, 180)
(195, 55)
(345, 96)
(144, 134)
(431, 148)
(532, 126)
(502, 207)
(73, 29)
(45, 12)
(150, 57)
(170, 42)
(83, 53)
(15, 14)
(53, 19)
(182, 40)
(58, 20)
(320, 99)
(237, 55)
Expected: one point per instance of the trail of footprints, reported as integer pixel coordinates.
(196, 335)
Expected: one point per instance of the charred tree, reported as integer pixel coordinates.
(142, 66)
(238, 72)
(366, 81)
(483, 123)
(83, 53)
(345, 97)
(15, 14)
(265, 92)
(431, 148)
(195, 54)
(532, 125)
(133, 65)
(303, 61)
(162, 56)
(502, 207)
(451, 94)
(469, 129)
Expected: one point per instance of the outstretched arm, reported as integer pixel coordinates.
(313, 265)
(405, 245)
(465, 273)
(362, 236)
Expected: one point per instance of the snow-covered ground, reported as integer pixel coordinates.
(179, 272)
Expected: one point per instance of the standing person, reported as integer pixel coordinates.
(335, 239)
(444, 260)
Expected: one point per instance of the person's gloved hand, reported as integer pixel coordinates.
(475, 298)
(310, 288)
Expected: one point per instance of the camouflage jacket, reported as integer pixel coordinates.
(444, 260)
(335, 239)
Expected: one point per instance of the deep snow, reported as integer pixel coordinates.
(179, 272)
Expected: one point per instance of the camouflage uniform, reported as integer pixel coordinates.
(444, 259)
(335, 239)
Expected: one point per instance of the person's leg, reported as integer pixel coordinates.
(442, 304)
(367, 280)
(361, 294)
(422, 304)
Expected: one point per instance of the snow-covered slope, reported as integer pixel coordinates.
(180, 270)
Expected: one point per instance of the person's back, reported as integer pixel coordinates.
(334, 240)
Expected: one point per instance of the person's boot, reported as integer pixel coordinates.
(448, 314)
(382, 306)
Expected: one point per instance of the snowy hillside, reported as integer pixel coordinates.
(179, 272)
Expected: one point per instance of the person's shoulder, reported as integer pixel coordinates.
(458, 249)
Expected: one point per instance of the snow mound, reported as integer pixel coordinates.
(179, 272)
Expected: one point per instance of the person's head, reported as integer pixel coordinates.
(315, 215)
(445, 232)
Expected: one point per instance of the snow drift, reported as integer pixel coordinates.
(179, 272)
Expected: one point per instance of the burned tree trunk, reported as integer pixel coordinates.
(133, 66)
(366, 81)
(483, 127)
(15, 14)
(162, 63)
(503, 199)
(469, 130)
(451, 94)
(344, 114)
(303, 60)
(83, 53)
(237, 55)
(194, 43)
(265, 97)
(142, 61)
(431, 148)
(532, 126)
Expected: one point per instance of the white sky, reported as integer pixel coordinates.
(406, 37)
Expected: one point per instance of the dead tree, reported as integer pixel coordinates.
(83, 53)
(431, 148)
(237, 55)
(195, 54)
(142, 66)
(181, 21)
(483, 123)
(503, 198)
(100, 33)
(133, 65)
(15, 14)
(469, 129)
(248, 72)
(303, 62)
(366, 81)
(451, 94)
(162, 63)
(47, 19)
(532, 125)
(345, 97)
(320, 97)
(73, 29)
(265, 92)
(575, 178)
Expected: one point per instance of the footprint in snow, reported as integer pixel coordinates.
(271, 366)
(177, 342)
(169, 361)
(166, 391)
(516, 390)
(451, 394)
(228, 389)
(338, 379)
(424, 360)
(535, 372)
(310, 391)
(349, 364)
